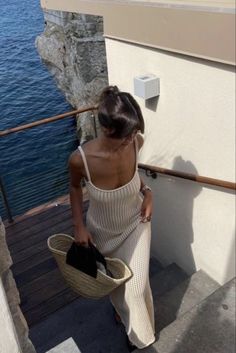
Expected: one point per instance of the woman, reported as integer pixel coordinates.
(120, 208)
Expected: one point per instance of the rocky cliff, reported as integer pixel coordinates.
(72, 47)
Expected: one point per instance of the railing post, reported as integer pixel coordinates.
(9, 215)
(94, 124)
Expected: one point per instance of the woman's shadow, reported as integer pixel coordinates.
(176, 205)
(183, 194)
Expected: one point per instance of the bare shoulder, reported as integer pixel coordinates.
(75, 160)
(76, 163)
(140, 141)
(90, 147)
(76, 168)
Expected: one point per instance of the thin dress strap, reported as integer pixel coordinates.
(85, 163)
(136, 152)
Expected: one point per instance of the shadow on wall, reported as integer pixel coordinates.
(175, 216)
(230, 269)
(183, 197)
(174, 212)
(151, 103)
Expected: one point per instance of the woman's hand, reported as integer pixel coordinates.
(83, 237)
(146, 208)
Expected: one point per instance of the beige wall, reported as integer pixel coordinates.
(13, 327)
(198, 28)
(8, 337)
(191, 128)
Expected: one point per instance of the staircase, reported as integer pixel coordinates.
(193, 315)
(208, 326)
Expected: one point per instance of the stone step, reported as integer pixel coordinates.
(208, 327)
(67, 346)
(166, 279)
(91, 323)
(182, 298)
(154, 266)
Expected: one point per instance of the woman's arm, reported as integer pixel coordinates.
(82, 236)
(146, 209)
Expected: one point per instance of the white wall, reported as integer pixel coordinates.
(8, 336)
(191, 128)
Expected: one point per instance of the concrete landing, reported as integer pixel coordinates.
(182, 298)
(209, 327)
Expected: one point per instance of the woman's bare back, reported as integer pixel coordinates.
(109, 169)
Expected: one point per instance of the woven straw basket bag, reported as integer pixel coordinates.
(79, 281)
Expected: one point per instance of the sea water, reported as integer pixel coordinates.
(33, 163)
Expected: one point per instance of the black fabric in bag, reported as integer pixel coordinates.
(84, 258)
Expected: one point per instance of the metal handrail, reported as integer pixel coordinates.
(188, 176)
(5, 200)
(46, 120)
(150, 168)
(28, 126)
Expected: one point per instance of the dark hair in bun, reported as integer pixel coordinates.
(119, 112)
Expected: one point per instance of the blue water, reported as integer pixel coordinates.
(33, 164)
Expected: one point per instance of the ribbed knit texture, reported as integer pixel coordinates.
(113, 219)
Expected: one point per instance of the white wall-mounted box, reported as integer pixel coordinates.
(147, 86)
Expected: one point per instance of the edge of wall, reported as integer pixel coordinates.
(14, 334)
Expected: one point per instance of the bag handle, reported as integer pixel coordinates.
(99, 257)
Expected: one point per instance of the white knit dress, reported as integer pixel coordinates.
(113, 219)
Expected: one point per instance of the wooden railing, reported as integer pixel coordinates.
(26, 193)
(46, 121)
(192, 177)
(152, 170)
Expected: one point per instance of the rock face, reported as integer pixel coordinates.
(72, 47)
